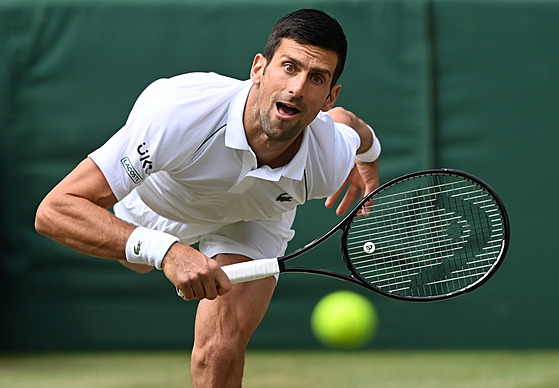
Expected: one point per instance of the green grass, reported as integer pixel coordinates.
(449, 369)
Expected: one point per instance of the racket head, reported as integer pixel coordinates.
(426, 236)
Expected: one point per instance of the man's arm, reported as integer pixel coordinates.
(75, 214)
(364, 177)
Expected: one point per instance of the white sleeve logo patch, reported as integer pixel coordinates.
(130, 170)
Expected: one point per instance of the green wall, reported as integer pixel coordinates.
(469, 84)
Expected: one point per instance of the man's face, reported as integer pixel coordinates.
(292, 88)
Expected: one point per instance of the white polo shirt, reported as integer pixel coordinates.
(182, 164)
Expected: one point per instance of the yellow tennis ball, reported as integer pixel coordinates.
(344, 320)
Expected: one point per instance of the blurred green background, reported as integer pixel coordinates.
(471, 84)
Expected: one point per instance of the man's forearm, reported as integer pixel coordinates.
(75, 214)
(83, 226)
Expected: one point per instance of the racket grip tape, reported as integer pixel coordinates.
(249, 270)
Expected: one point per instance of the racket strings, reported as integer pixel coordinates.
(431, 235)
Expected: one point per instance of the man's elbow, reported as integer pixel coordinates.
(43, 220)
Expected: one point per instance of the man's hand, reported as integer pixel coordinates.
(362, 179)
(196, 275)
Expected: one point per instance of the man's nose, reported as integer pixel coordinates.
(297, 85)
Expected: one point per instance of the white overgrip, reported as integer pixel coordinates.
(248, 270)
(251, 270)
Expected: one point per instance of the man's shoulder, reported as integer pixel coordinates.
(170, 99)
(323, 119)
(203, 82)
(201, 89)
(324, 127)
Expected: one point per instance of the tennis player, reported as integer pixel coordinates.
(223, 162)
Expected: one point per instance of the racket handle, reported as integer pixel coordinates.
(251, 270)
(248, 270)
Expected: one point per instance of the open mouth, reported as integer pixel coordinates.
(286, 110)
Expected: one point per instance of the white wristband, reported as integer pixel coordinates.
(372, 153)
(146, 246)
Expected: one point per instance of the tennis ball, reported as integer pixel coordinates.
(344, 320)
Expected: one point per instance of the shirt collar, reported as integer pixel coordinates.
(235, 136)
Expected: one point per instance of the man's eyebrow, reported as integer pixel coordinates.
(313, 69)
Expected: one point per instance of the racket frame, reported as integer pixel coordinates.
(345, 225)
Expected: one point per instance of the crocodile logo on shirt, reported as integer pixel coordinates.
(137, 248)
(284, 197)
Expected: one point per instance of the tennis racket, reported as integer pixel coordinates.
(424, 236)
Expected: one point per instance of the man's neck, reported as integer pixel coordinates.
(280, 157)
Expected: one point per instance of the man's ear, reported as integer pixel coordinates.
(257, 69)
(332, 97)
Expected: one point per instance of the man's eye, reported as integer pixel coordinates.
(317, 79)
(289, 68)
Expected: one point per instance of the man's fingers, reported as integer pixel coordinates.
(198, 289)
(334, 197)
(210, 293)
(222, 282)
(185, 293)
(348, 199)
(205, 287)
(195, 275)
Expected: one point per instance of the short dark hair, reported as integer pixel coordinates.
(314, 27)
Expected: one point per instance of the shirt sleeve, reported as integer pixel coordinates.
(332, 154)
(161, 134)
